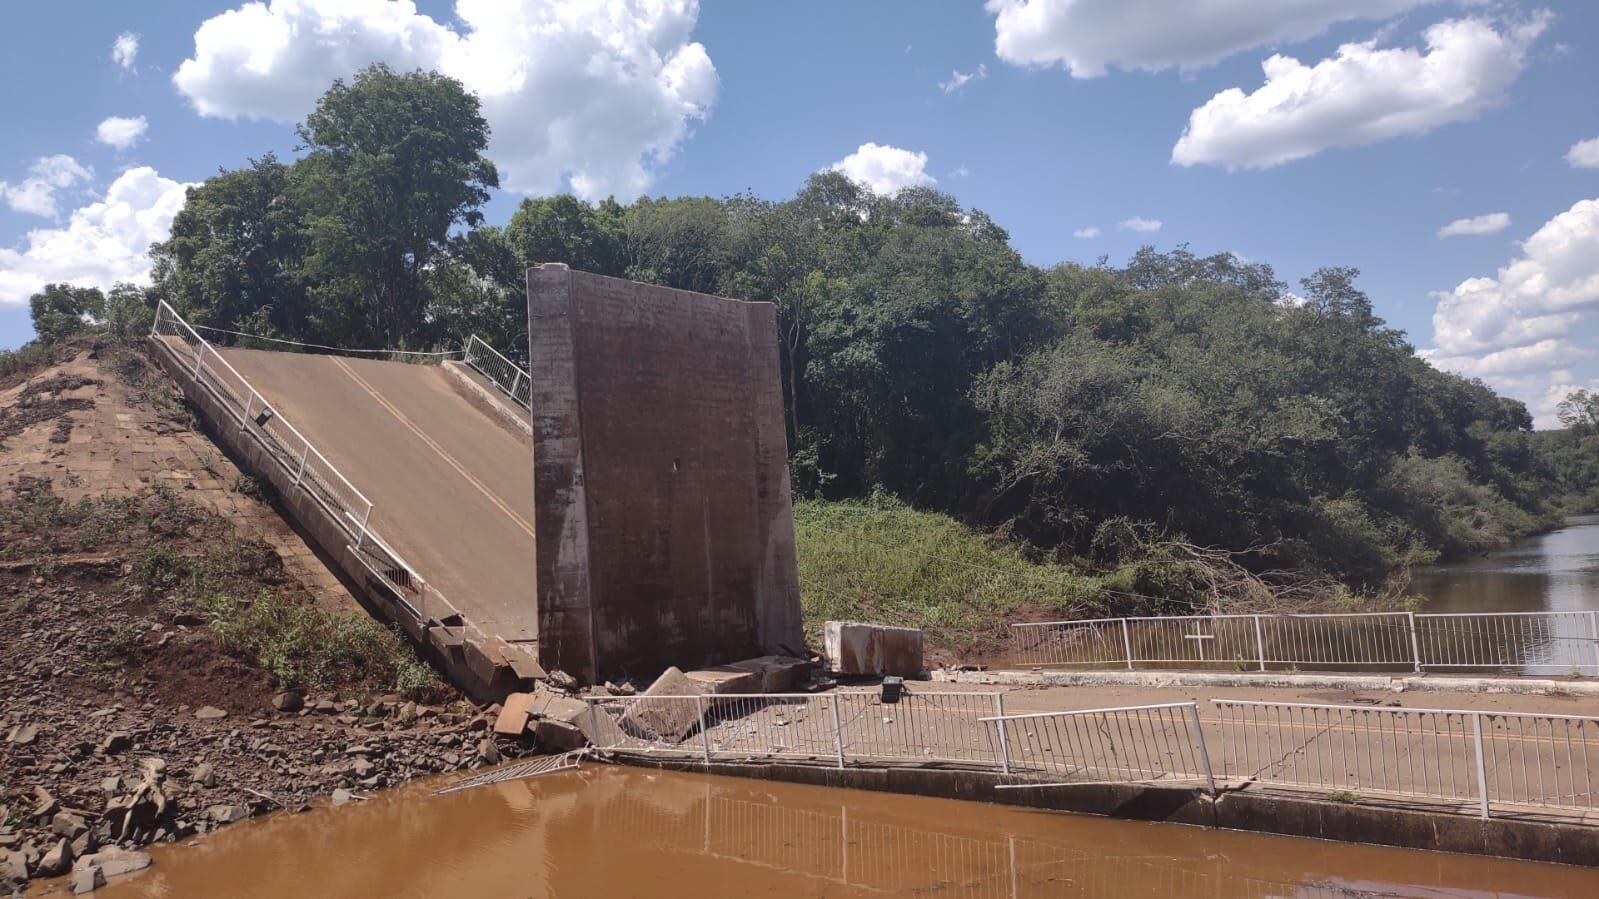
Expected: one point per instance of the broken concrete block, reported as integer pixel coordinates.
(724, 680)
(87, 880)
(660, 718)
(559, 736)
(778, 674)
(548, 703)
(113, 862)
(514, 715)
(874, 650)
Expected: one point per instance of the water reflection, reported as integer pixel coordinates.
(1556, 572)
(624, 832)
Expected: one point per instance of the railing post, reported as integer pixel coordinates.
(705, 738)
(999, 724)
(199, 359)
(838, 729)
(1260, 644)
(249, 406)
(361, 538)
(301, 472)
(1482, 768)
(1415, 644)
(1127, 644)
(1593, 625)
(1199, 743)
(594, 723)
(515, 383)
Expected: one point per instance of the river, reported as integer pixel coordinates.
(1554, 572)
(609, 831)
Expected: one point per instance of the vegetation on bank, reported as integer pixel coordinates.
(187, 560)
(1187, 419)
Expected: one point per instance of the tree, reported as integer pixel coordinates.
(1579, 411)
(395, 162)
(566, 229)
(236, 253)
(60, 311)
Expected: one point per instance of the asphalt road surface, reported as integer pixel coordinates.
(451, 485)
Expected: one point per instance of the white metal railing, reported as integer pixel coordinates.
(835, 728)
(1519, 642)
(308, 469)
(505, 374)
(1132, 744)
(1474, 759)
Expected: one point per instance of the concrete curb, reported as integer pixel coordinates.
(1423, 683)
(496, 402)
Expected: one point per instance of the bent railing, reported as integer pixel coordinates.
(1518, 642)
(307, 468)
(505, 374)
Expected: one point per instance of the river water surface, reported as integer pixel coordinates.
(617, 832)
(1555, 572)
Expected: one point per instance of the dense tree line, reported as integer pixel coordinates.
(922, 356)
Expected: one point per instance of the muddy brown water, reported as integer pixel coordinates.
(617, 832)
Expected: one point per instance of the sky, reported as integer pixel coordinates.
(1449, 149)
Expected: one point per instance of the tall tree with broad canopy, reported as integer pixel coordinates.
(394, 162)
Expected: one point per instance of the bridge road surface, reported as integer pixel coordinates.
(451, 486)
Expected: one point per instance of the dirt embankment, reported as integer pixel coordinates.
(171, 660)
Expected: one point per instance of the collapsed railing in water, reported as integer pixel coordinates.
(1514, 642)
(1462, 759)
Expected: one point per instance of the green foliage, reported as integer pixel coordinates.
(306, 647)
(60, 311)
(880, 560)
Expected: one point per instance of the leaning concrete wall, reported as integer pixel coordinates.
(663, 519)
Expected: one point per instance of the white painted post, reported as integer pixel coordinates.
(1593, 621)
(1127, 644)
(199, 359)
(1482, 769)
(1199, 743)
(303, 456)
(361, 538)
(249, 406)
(1415, 644)
(838, 729)
(705, 738)
(1260, 644)
(515, 383)
(594, 718)
(999, 724)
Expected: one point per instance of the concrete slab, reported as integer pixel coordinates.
(871, 650)
(777, 674)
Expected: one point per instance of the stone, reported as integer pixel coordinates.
(13, 867)
(288, 701)
(670, 719)
(362, 768)
(113, 861)
(87, 880)
(204, 774)
(67, 824)
(188, 619)
(111, 785)
(210, 713)
(154, 768)
(57, 861)
(873, 650)
(488, 752)
(549, 704)
(45, 804)
(227, 814)
(116, 742)
(23, 734)
(342, 796)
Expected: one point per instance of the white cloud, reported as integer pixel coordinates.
(1142, 225)
(1360, 96)
(1086, 37)
(1492, 223)
(885, 169)
(959, 79)
(1085, 233)
(125, 49)
(36, 194)
(1584, 154)
(579, 93)
(102, 243)
(1514, 330)
(121, 132)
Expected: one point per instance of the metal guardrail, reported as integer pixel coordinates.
(505, 374)
(1478, 761)
(1475, 759)
(1520, 642)
(308, 469)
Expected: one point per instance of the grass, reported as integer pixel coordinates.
(880, 560)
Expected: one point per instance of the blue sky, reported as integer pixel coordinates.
(1439, 112)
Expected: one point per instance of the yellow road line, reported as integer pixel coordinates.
(432, 444)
